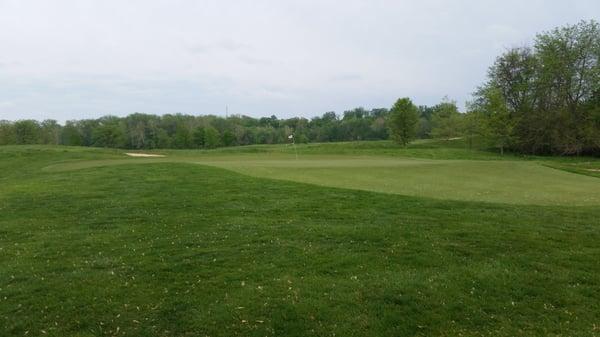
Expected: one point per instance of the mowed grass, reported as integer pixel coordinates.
(182, 249)
(445, 170)
(514, 182)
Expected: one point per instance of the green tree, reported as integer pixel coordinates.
(199, 137)
(228, 138)
(500, 124)
(7, 133)
(109, 133)
(50, 132)
(212, 139)
(425, 115)
(27, 132)
(475, 127)
(549, 93)
(182, 139)
(403, 121)
(163, 140)
(70, 134)
(446, 120)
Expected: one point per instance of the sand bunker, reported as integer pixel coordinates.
(145, 155)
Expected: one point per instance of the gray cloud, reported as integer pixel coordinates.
(255, 60)
(78, 59)
(219, 46)
(348, 77)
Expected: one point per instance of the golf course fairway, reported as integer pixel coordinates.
(257, 241)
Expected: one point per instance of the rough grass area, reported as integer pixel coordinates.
(180, 249)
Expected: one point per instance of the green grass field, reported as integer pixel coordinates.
(253, 241)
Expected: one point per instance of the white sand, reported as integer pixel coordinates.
(146, 155)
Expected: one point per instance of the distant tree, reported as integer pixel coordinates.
(379, 113)
(163, 140)
(475, 126)
(70, 134)
(7, 133)
(212, 139)
(425, 125)
(144, 131)
(330, 117)
(379, 129)
(500, 124)
(424, 128)
(182, 138)
(138, 130)
(243, 135)
(359, 112)
(86, 129)
(228, 138)
(446, 120)
(198, 137)
(109, 133)
(549, 93)
(403, 121)
(27, 132)
(356, 124)
(50, 132)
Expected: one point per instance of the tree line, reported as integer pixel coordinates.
(179, 131)
(539, 99)
(545, 99)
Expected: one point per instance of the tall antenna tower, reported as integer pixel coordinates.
(226, 111)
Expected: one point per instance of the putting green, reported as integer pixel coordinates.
(502, 181)
(513, 182)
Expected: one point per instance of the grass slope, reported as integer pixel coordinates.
(173, 249)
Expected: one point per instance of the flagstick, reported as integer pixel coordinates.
(294, 144)
(295, 150)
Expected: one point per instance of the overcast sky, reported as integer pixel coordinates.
(82, 59)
